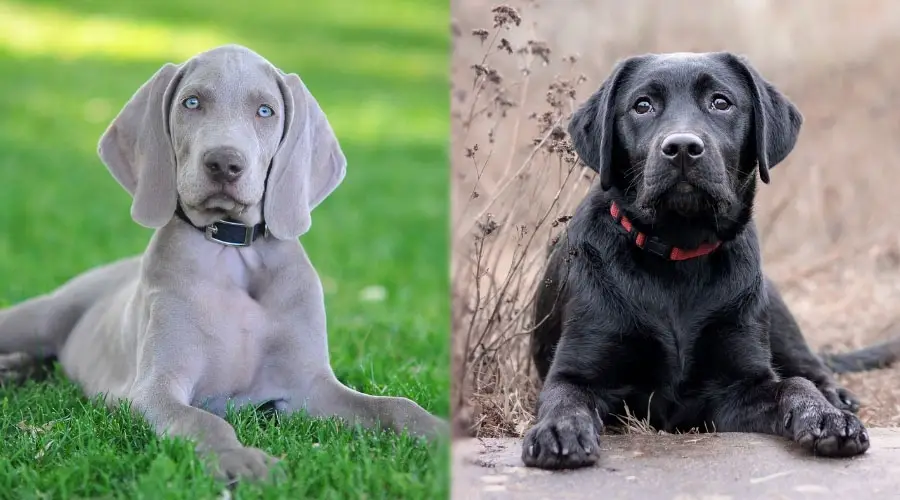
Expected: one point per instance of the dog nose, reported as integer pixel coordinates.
(682, 148)
(224, 164)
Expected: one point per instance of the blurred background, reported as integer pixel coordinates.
(828, 219)
(379, 243)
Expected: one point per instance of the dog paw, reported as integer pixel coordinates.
(841, 398)
(246, 464)
(565, 442)
(827, 431)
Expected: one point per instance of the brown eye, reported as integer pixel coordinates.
(642, 106)
(721, 103)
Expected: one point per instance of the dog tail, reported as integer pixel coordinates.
(873, 357)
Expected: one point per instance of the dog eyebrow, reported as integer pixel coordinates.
(652, 88)
(262, 97)
(706, 81)
(204, 92)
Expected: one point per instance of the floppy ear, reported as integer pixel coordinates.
(307, 167)
(776, 120)
(137, 149)
(592, 127)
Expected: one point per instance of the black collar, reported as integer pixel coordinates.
(228, 232)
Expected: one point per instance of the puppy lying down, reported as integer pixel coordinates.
(655, 297)
(225, 157)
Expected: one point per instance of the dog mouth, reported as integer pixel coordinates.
(685, 198)
(221, 201)
(683, 187)
(221, 204)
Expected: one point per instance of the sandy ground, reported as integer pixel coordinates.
(828, 219)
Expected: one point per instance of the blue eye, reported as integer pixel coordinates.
(265, 111)
(191, 103)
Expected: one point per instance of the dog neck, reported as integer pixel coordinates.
(179, 249)
(228, 232)
(655, 245)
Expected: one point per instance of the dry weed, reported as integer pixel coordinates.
(501, 242)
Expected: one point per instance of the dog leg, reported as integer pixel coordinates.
(568, 428)
(792, 356)
(169, 413)
(794, 408)
(40, 326)
(327, 397)
(35, 327)
(576, 394)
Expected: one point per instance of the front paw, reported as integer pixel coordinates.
(841, 398)
(826, 431)
(244, 464)
(563, 442)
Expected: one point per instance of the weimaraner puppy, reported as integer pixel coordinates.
(225, 157)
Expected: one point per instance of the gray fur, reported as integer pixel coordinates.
(191, 324)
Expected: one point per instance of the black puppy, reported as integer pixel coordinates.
(655, 296)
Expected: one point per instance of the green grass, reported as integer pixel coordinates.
(379, 70)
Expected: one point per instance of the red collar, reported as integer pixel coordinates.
(655, 245)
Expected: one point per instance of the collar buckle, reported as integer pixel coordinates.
(213, 229)
(656, 247)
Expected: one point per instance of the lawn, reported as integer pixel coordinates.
(379, 69)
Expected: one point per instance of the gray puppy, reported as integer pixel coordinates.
(225, 156)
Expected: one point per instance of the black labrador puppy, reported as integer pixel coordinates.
(655, 296)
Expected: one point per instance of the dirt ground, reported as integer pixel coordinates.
(828, 219)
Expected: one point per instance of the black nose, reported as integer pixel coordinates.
(224, 164)
(682, 148)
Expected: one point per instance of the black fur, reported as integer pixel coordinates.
(705, 343)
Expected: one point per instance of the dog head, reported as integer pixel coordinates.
(682, 135)
(225, 134)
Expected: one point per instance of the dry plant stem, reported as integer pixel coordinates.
(517, 273)
(522, 199)
(478, 174)
(478, 83)
(564, 188)
(479, 248)
(478, 88)
(523, 95)
(509, 180)
(509, 280)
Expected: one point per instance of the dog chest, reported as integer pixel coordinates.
(233, 338)
(668, 335)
